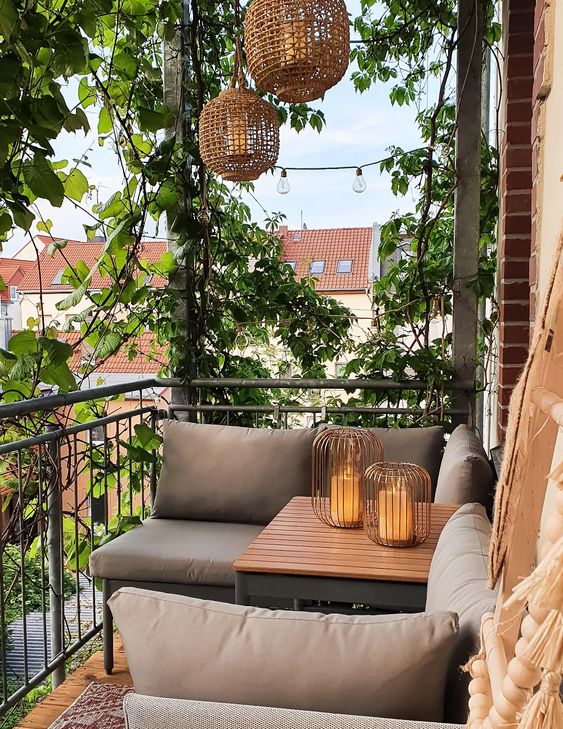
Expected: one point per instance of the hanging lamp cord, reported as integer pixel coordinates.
(238, 76)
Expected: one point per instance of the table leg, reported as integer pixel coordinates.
(241, 595)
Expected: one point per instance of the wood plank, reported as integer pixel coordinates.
(66, 694)
(297, 542)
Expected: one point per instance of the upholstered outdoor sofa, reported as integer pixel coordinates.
(220, 485)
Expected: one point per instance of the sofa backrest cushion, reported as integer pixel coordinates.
(423, 446)
(465, 475)
(458, 581)
(150, 712)
(386, 665)
(227, 473)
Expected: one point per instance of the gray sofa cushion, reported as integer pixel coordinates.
(465, 475)
(423, 446)
(458, 581)
(149, 712)
(227, 473)
(168, 550)
(391, 665)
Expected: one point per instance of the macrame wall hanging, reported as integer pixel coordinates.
(239, 136)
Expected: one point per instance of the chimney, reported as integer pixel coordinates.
(373, 265)
(282, 231)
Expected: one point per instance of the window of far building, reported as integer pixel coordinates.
(13, 293)
(344, 265)
(317, 267)
(58, 278)
(339, 369)
(293, 264)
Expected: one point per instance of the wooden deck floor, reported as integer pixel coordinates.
(93, 670)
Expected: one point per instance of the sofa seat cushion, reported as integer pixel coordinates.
(457, 581)
(465, 475)
(423, 446)
(150, 712)
(385, 665)
(227, 473)
(169, 550)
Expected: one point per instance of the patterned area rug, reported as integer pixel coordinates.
(100, 706)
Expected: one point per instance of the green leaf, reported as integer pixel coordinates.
(5, 222)
(58, 245)
(148, 439)
(76, 185)
(57, 352)
(86, 93)
(151, 120)
(45, 226)
(104, 121)
(24, 342)
(60, 375)
(72, 299)
(42, 181)
(8, 18)
(107, 345)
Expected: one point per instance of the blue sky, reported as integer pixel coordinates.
(359, 128)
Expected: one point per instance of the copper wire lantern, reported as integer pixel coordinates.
(397, 511)
(340, 459)
(239, 136)
(297, 49)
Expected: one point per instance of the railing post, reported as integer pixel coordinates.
(55, 553)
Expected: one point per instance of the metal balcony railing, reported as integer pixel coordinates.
(81, 468)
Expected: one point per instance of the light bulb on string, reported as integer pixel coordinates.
(283, 184)
(359, 182)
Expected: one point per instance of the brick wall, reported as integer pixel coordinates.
(516, 200)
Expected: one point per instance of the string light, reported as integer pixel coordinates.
(359, 185)
(283, 184)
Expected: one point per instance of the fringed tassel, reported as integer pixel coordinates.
(544, 587)
(545, 710)
(545, 649)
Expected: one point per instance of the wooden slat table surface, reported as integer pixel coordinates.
(297, 543)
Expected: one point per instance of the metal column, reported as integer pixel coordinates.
(467, 196)
(55, 554)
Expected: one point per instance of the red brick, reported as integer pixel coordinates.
(518, 111)
(518, 133)
(518, 201)
(512, 269)
(520, 88)
(521, 4)
(521, 42)
(509, 375)
(518, 156)
(517, 224)
(515, 333)
(514, 290)
(513, 354)
(533, 269)
(517, 179)
(504, 395)
(517, 247)
(511, 311)
(520, 65)
(520, 21)
(537, 92)
(539, 11)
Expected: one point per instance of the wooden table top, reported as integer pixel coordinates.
(295, 542)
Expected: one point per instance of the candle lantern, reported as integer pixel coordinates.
(397, 511)
(239, 135)
(297, 49)
(340, 459)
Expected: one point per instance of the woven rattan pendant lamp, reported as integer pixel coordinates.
(239, 136)
(297, 49)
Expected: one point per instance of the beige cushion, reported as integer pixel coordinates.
(458, 581)
(168, 550)
(465, 475)
(150, 712)
(390, 666)
(227, 473)
(423, 446)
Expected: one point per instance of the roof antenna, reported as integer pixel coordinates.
(302, 220)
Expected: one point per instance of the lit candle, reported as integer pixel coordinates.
(395, 515)
(345, 497)
(237, 142)
(294, 41)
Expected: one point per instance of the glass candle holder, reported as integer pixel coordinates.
(340, 459)
(397, 507)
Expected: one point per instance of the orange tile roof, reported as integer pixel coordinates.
(12, 271)
(330, 245)
(47, 268)
(148, 361)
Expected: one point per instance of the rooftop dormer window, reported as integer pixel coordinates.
(57, 281)
(293, 264)
(317, 267)
(344, 265)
